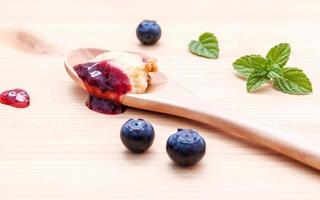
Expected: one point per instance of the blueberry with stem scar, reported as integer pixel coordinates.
(186, 147)
(137, 135)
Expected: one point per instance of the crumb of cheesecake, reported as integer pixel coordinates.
(150, 63)
(136, 66)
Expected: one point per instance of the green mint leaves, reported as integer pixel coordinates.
(259, 70)
(249, 64)
(279, 54)
(256, 80)
(207, 46)
(293, 81)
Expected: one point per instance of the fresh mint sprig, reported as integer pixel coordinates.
(259, 70)
(207, 46)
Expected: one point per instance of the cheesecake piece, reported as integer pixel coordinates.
(111, 75)
(136, 66)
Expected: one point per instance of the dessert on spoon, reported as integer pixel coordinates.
(165, 96)
(110, 75)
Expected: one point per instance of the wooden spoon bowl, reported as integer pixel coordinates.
(165, 96)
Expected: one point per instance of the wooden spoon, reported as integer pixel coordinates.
(165, 96)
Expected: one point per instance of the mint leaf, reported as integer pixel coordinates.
(279, 54)
(259, 70)
(255, 81)
(275, 72)
(249, 64)
(207, 46)
(294, 81)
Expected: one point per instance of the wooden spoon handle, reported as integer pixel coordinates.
(291, 144)
(304, 150)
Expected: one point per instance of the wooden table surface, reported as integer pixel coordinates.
(58, 149)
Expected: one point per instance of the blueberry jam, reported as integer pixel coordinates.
(18, 98)
(105, 84)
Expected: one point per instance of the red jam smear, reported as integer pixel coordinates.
(18, 98)
(105, 84)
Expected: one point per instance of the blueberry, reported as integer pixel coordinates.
(186, 147)
(137, 135)
(148, 32)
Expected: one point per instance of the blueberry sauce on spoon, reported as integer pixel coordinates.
(105, 84)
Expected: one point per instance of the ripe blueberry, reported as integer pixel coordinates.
(137, 135)
(186, 147)
(148, 32)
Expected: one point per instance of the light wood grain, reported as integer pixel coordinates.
(58, 149)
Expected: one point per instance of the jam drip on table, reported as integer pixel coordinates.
(105, 84)
(18, 98)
